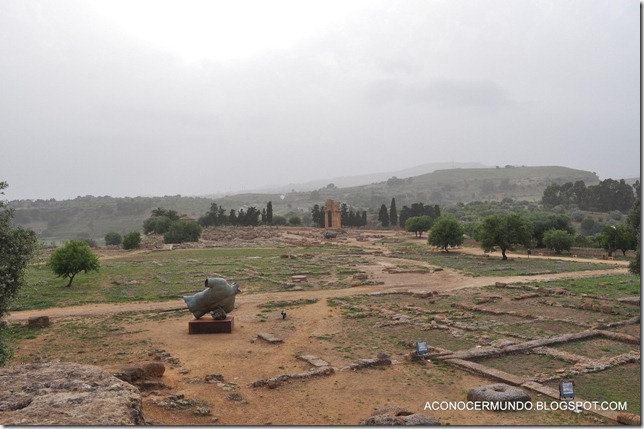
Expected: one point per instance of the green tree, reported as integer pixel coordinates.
(418, 224)
(551, 197)
(503, 231)
(558, 240)
(383, 216)
(393, 213)
(344, 215)
(615, 237)
(113, 239)
(269, 213)
(170, 214)
(132, 240)
(317, 216)
(156, 225)
(294, 221)
(418, 209)
(446, 232)
(17, 246)
(543, 222)
(74, 257)
(211, 218)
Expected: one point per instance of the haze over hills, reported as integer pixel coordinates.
(442, 187)
(364, 179)
(93, 217)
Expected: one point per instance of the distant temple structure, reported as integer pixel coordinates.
(332, 217)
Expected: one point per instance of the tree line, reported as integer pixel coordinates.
(218, 216)
(608, 195)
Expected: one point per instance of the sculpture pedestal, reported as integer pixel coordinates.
(211, 326)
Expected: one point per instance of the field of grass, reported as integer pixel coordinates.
(159, 276)
(490, 266)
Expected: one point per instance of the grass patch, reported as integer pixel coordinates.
(493, 266)
(621, 383)
(617, 286)
(162, 276)
(597, 348)
(283, 304)
(540, 329)
(525, 364)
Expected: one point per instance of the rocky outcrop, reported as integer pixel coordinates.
(66, 394)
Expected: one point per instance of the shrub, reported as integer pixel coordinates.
(558, 240)
(132, 240)
(180, 232)
(294, 221)
(157, 225)
(113, 239)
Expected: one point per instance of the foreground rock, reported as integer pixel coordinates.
(396, 416)
(146, 375)
(66, 394)
(498, 393)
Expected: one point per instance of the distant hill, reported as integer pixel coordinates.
(93, 217)
(444, 187)
(346, 181)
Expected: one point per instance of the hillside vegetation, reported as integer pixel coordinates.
(92, 217)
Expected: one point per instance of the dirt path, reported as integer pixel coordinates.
(441, 281)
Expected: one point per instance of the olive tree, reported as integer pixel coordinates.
(74, 257)
(558, 240)
(17, 246)
(418, 225)
(446, 232)
(503, 231)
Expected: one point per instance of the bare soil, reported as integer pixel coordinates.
(343, 398)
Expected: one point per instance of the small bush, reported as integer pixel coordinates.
(180, 232)
(558, 240)
(157, 225)
(113, 239)
(132, 240)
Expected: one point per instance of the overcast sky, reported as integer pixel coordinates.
(128, 98)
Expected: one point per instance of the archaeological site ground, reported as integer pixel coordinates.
(355, 305)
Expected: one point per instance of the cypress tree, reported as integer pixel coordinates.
(393, 213)
(383, 216)
(269, 213)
